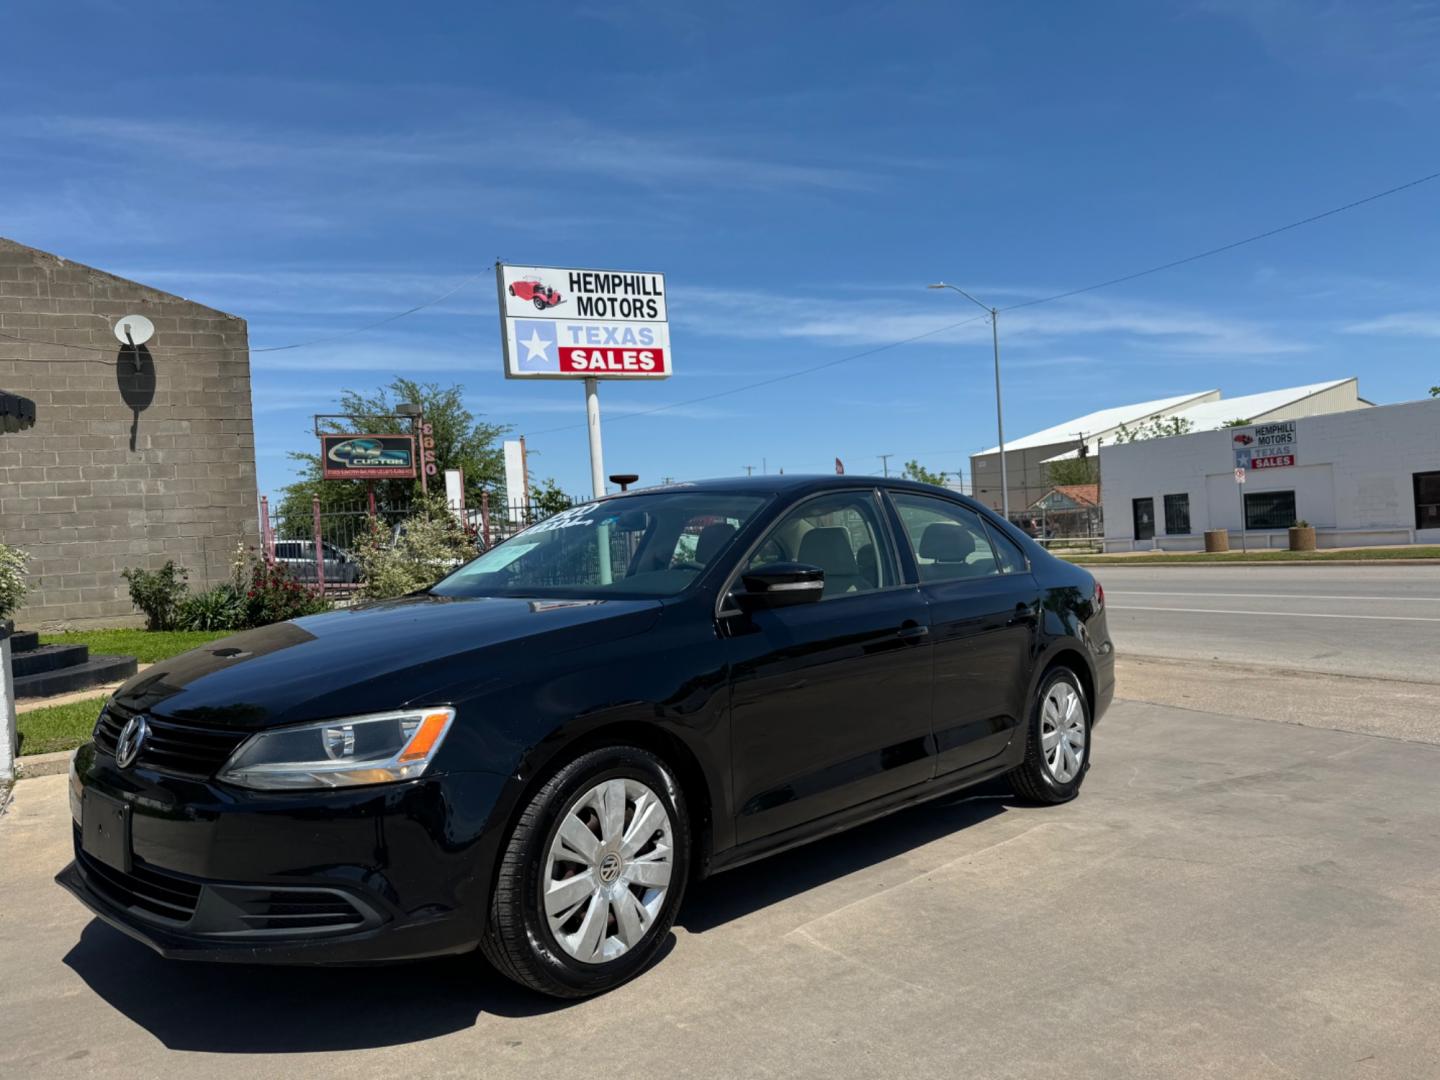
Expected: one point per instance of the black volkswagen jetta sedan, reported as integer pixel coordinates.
(536, 755)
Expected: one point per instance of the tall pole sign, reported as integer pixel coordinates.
(559, 323)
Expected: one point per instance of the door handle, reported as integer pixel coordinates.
(912, 632)
(1023, 614)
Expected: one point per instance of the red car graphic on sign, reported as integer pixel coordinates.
(537, 292)
(1244, 440)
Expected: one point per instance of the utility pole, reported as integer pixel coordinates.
(749, 470)
(999, 412)
(885, 462)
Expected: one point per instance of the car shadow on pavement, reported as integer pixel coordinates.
(738, 892)
(255, 1009)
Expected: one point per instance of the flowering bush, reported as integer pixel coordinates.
(158, 593)
(272, 595)
(421, 550)
(12, 579)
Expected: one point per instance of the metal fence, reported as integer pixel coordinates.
(317, 544)
(1082, 528)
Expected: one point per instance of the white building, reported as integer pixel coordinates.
(1027, 458)
(1361, 477)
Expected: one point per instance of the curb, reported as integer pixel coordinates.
(43, 764)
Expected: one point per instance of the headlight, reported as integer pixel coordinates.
(376, 749)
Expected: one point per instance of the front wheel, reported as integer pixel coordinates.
(591, 878)
(1057, 749)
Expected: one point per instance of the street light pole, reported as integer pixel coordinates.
(999, 410)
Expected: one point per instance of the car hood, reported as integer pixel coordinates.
(424, 649)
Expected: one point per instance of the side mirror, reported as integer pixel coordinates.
(780, 585)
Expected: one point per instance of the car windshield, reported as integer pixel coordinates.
(641, 545)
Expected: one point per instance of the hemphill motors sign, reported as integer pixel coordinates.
(583, 324)
(1264, 446)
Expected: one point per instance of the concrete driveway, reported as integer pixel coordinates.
(1228, 898)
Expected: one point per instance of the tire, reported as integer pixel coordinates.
(512, 290)
(1038, 778)
(568, 952)
(539, 302)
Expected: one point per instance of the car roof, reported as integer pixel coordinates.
(792, 484)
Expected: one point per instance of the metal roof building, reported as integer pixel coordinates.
(1027, 458)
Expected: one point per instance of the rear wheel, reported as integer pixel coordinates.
(1057, 749)
(591, 878)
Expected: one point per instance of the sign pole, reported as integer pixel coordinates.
(1240, 489)
(597, 453)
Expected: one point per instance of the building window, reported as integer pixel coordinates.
(1427, 500)
(1270, 510)
(1177, 515)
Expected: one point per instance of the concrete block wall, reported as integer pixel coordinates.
(123, 468)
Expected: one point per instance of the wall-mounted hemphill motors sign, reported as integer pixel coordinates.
(1264, 446)
(367, 457)
(583, 324)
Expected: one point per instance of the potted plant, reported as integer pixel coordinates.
(1302, 536)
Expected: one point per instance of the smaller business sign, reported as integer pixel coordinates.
(1264, 446)
(367, 457)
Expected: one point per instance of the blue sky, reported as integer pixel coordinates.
(799, 171)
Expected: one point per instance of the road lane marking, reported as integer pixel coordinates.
(1264, 596)
(1277, 614)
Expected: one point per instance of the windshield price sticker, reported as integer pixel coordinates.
(583, 324)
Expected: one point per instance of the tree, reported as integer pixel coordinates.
(915, 471)
(462, 441)
(1157, 427)
(1435, 391)
(549, 499)
(1238, 422)
(1075, 470)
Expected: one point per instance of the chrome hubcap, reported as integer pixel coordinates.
(1062, 731)
(608, 870)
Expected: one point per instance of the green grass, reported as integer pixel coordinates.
(1362, 554)
(146, 646)
(58, 727)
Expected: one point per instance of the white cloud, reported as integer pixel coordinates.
(861, 322)
(1400, 324)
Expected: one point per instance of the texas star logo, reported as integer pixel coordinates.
(537, 346)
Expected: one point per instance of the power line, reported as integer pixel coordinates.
(771, 381)
(1226, 247)
(1027, 303)
(392, 318)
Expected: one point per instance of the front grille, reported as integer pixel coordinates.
(145, 889)
(175, 748)
(294, 911)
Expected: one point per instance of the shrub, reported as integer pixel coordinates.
(220, 608)
(272, 596)
(423, 549)
(12, 579)
(158, 593)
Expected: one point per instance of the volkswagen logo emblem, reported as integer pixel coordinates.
(610, 867)
(132, 738)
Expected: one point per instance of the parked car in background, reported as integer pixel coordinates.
(298, 557)
(535, 755)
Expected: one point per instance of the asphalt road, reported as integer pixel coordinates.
(1228, 898)
(1369, 621)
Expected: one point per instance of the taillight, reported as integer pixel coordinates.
(1099, 596)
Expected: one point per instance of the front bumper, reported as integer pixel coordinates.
(365, 875)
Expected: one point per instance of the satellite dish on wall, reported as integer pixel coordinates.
(134, 329)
